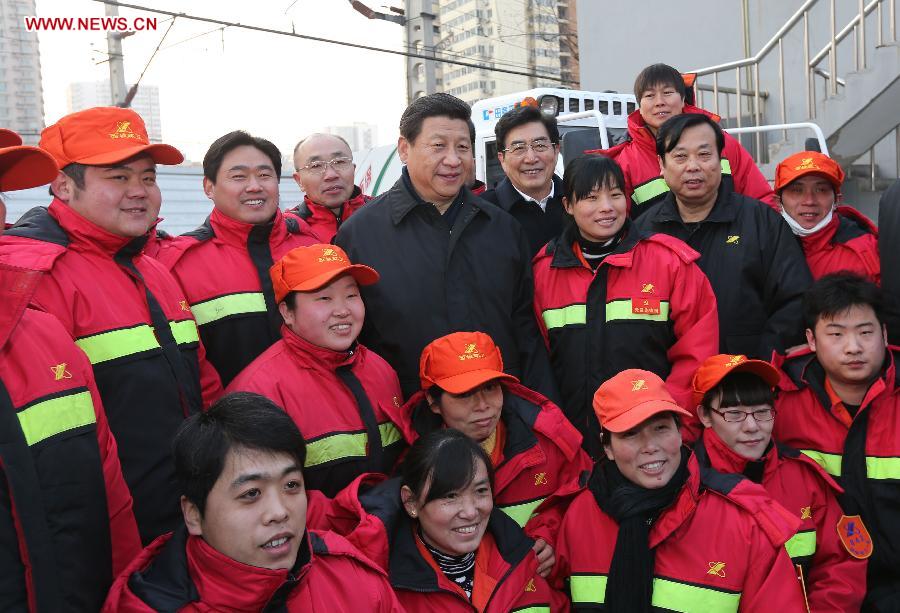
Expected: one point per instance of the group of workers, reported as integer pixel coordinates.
(653, 383)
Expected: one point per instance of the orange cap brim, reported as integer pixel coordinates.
(641, 413)
(22, 167)
(362, 273)
(161, 154)
(467, 381)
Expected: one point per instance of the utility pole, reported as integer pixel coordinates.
(117, 87)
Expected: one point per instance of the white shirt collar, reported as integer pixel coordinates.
(543, 201)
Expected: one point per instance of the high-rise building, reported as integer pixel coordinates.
(84, 95)
(530, 36)
(360, 136)
(21, 95)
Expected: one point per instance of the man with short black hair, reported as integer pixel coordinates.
(753, 262)
(448, 260)
(244, 544)
(528, 148)
(224, 264)
(840, 405)
(324, 171)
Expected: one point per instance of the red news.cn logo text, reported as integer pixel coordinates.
(90, 24)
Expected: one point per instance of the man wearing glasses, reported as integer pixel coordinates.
(325, 170)
(448, 260)
(224, 264)
(528, 147)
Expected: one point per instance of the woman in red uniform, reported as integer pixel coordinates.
(608, 298)
(655, 530)
(735, 402)
(335, 389)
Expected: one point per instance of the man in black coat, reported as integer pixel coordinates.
(754, 263)
(528, 148)
(448, 260)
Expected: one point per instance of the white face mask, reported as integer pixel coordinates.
(799, 230)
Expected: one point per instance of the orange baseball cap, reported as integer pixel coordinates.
(21, 166)
(717, 367)
(306, 269)
(461, 361)
(808, 163)
(103, 135)
(631, 397)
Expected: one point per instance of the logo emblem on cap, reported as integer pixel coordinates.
(470, 353)
(734, 361)
(123, 130)
(717, 569)
(330, 255)
(807, 164)
(638, 385)
(59, 372)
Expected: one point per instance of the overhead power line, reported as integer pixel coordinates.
(436, 58)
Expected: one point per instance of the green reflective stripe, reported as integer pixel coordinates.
(566, 316)
(533, 609)
(686, 598)
(346, 445)
(649, 191)
(622, 309)
(726, 167)
(831, 462)
(883, 468)
(50, 417)
(118, 343)
(802, 544)
(588, 588)
(184, 331)
(521, 513)
(223, 306)
(389, 434)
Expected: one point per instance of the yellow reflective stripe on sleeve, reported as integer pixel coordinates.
(622, 309)
(521, 513)
(883, 468)
(726, 167)
(650, 190)
(184, 331)
(118, 343)
(224, 306)
(346, 445)
(565, 316)
(48, 418)
(802, 544)
(588, 589)
(686, 598)
(831, 462)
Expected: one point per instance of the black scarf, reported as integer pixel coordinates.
(629, 587)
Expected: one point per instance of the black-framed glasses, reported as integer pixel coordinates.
(337, 164)
(538, 146)
(736, 415)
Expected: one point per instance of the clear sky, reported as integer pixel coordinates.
(277, 87)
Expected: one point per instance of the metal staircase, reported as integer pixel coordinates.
(835, 63)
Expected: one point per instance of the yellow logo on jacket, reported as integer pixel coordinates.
(734, 239)
(530, 586)
(647, 288)
(59, 372)
(717, 569)
(806, 513)
(184, 305)
(540, 479)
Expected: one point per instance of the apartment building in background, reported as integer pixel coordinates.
(84, 95)
(21, 93)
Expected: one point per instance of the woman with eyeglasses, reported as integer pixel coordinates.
(735, 402)
(609, 298)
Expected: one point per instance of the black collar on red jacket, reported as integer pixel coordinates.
(725, 210)
(37, 224)
(564, 256)
(805, 371)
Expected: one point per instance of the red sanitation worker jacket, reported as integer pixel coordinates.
(541, 453)
(127, 313)
(848, 243)
(339, 401)
(643, 184)
(322, 220)
(178, 572)
(862, 452)
(66, 524)
(835, 580)
(647, 306)
(223, 267)
(719, 547)
(369, 513)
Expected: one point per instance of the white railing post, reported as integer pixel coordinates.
(861, 39)
(833, 59)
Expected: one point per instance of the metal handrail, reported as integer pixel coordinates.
(803, 125)
(842, 34)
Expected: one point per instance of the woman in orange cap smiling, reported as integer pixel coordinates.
(735, 402)
(534, 449)
(655, 531)
(335, 389)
